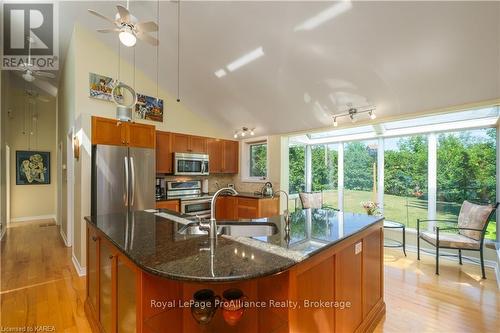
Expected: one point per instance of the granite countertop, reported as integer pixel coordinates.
(153, 243)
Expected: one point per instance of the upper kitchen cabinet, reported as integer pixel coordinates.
(163, 152)
(215, 152)
(118, 133)
(108, 132)
(140, 135)
(223, 156)
(231, 156)
(183, 143)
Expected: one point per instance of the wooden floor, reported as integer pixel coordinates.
(38, 283)
(39, 286)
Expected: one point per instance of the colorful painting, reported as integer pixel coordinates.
(100, 87)
(149, 108)
(32, 167)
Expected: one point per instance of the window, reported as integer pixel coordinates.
(324, 168)
(258, 160)
(297, 166)
(466, 170)
(405, 179)
(360, 174)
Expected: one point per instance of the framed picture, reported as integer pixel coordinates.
(32, 167)
(149, 108)
(100, 87)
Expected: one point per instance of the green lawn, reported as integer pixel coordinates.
(401, 209)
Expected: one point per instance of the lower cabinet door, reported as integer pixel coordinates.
(126, 301)
(93, 244)
(105, 287)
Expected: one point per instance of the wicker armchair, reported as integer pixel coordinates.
(467, 233)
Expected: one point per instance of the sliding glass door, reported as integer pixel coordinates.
(324, 168)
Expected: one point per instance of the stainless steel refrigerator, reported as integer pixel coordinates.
(123, 179)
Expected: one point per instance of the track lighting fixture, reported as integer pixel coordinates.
(353, 113)
(243, 132)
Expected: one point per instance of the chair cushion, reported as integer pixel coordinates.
(447, 239)
(475, 217)
(311, 200)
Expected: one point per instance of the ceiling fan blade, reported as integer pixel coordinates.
(44, 75)
(101, 16)
(148, 39)
(108, 30)
(149, 26)
(43, 99)
(124, 14)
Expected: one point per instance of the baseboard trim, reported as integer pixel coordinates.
(81, 271)
(33, 218)
(64, 238)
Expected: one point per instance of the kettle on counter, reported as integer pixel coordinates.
(267, 190)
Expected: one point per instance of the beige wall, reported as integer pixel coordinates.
(3, 127)
(28, 201)
(86, 54)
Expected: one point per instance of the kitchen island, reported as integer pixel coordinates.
(322, 274)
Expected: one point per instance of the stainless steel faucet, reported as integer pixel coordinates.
(211, 226)
(287, 211)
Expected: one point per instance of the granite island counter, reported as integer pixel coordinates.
(323, 275)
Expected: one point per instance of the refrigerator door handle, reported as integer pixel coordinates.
(125, 197)
(132, 169)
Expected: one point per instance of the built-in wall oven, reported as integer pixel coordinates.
(193, 202)
(190, 164)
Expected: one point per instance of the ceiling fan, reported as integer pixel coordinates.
(31, 72)
(128, 27)
(36, 95)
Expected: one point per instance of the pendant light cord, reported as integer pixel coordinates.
(158, 50)
(178, 48)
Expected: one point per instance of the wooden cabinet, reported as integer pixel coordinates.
(172, 205)
(225, 208)
(215, 149)
(163, 152)
(111, 286)
(140, 135)
(108, 132)
(117, 133)
(234, 208)
(184, 143)
(230, 156)
(224, 157)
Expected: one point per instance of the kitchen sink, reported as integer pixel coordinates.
(236, 229)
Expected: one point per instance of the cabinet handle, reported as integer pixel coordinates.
(94, 238)
(118, 123)
(111, 257)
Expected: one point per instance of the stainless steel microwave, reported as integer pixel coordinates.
(190, 164)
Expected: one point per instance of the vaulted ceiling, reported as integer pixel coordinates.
(403, 57)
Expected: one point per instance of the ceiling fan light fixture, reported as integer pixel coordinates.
(127, 37)
(335, 123)
(353, 119)
(372, 115)
(28, 77)
(252, 132)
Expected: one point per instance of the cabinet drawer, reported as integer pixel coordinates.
(246, 212)
(247, 202)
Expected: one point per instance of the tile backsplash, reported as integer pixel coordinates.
(216, 181)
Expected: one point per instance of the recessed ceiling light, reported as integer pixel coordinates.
(325, 15)
(245, 59)
(220, 73)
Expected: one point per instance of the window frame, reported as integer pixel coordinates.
(246, 160)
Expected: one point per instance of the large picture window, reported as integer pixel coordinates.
(258, 160)
(405, 179)
(297, 167)
(360, 172)
(324, 168)
(466, 170)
